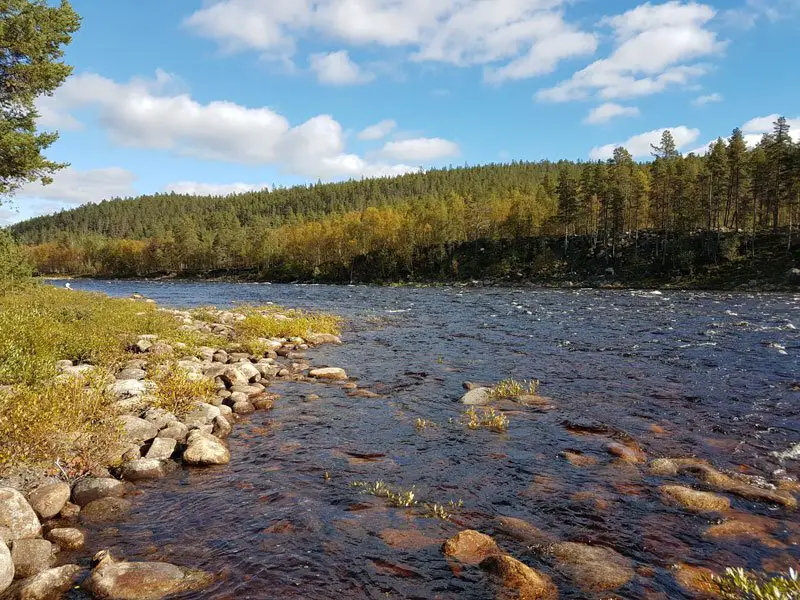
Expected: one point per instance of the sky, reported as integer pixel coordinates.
(223, 96)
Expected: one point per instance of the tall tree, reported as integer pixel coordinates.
(737, 178)
(567, 201)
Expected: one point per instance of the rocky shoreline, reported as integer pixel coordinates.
(39, 516)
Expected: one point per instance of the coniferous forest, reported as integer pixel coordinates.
(727, 216)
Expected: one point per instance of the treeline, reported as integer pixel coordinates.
(381, 229)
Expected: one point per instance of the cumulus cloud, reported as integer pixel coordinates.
(640, 145)
(336, 68)
(196, 188)
(377, 131)
(708, 99)
(149, 114)
(71, 186)
(519, 38)
(755, 129)
(420, 149)
(654, 48)
(605, 112)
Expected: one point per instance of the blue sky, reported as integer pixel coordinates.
(228, 95)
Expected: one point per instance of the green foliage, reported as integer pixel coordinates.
(289, 323)
(32, 35)
(15, 271)
(396, 498)
(738, 584)
(176, 390)
(511, 388)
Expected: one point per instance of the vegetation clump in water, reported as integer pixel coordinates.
(487, 418)
(397, 498)
(511, 388)
(738, 584)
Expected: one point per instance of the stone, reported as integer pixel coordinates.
(175, 431)
(78, 370)
(243, 408)
(137, 430)
(134, 374)
(362, 393)
(627, 454)
(70, 511)
(697, 581)
(17, 515)
(694, 500)
(6, 567)
(329, 374)
(51, 584)
(90, 489)
(220, 356)
(477, 396)
(31, 556)
(233, 376)
(236, 397)
(201, 414)
(48, 500)
(248, 390)
(143, 345)
(525, 582)
(204, 449)
(67, 538)
(323, 338)
(267, 371)
(249, 371)
(63, 364)
(578, 459)
(124, 389)
(105, 510)
(143, 468)
(264, 401)
(112, 580)
(162, 448)
(470, 547)
(5, 535)
(222, 428)
(522, 531)
(159, 417)
(593, 568)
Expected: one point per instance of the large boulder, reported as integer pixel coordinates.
(162, 448)
(51, 584)
(329, 374)
(200, 415)
(48, 500)
(6, 567)
(31, 557)
(112, 580)
(137, 430)
(233, 376)
(249, 371)
(593, 568)
(477, 396)
(90, 489)
(105, 510)
(470, 547)
(524, 582)
(143, 468)
(67, 538)
(124, 389)
(323, 338)
(17, 515)
(204, 449)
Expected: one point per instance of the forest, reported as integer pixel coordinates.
(672, 215)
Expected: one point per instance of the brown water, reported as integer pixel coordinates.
(682, 374)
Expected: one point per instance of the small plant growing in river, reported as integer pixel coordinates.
(738, 584)
(487, 419)
(397, 498)
(440, 511)
(511, 388)
(424, 424)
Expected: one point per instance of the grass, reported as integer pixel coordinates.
(511, 388)
(487, 418)
(440, 511)
(424, 424)
(738, 584)
(275, 322)
(396, 498)
(176, 391)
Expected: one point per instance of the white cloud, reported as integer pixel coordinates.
(377, 131)
(653, 44)
(6, 216)
(147, 114)
(71, 186)
(336, 68)
(755, 128)
(605, 112)
(420, 149)
(708, 99)
(640, 145)
(521, 38)
(196, 188)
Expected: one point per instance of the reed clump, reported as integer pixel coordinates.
(487, 418)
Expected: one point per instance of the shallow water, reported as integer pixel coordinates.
(683, 374)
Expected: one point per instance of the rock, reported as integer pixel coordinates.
(578, 459)
(134, 374)
(233, 376)
(63, 364)
(249, 371)
(222, 428)
(593, 568)
(220, 356)
(31, 556)
(792, 453)
(236, 397)
(105, 509)
(137, 430)
(243, 408)
(113, 580)
(694, 500)
(201, 414)
(162, 448)
(48, 500)
(329, 374)
(248, 391)
(17, 515)
(70, 511)
(204, 449)
(6, 567)
(175, 431)
(323, 338)
(522, 531)
(5, 535)
(124, 389)
(67, 538)
(526, 583)
(793, 276)
(143, 468)
(477, 396)
(78, 370)
(51, 584)
(159, 417)
(143, 345)
(470, 547)
(264, 401)
(362, 393)
(696, 581)
(90, 489)
(267, 371)
(628, 454)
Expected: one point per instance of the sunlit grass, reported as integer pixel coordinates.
(176, 391)
(443, 512)
(421, 424)
(738, 584)
(396, 498)
(274, 322)
(487, 418)
(511, 388)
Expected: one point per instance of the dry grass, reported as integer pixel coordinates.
(738, 584)
(274, 322)
(176, 391)
(397, 498)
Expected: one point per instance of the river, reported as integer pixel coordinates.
(710, 375)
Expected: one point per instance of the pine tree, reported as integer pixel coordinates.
(737, 179)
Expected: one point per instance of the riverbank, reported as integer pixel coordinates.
(98, 394)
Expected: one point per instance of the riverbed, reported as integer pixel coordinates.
(711, 375)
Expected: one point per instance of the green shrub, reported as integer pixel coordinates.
(738, 584)
(15, 271)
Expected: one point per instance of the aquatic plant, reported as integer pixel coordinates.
(738, 584)
(511, 388)
(397, 498)
(424, 424)
(440, 511)
(487, 418)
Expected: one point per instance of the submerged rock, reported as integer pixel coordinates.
(522, 531)
(94, 488)
(593, 568)
(51, 584)
(628, 454)
(48, 500)
(112, 580)
(470, 547)
(32, 556)
(106, 509)
(694, 500)
(17, 515)
(525, 582)
(477, 396)
(330, 373)
(695, 580)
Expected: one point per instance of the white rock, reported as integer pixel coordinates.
(162, 448)
(6, 567)
(331, 373)
(201, 414)
(136, 429)
(477, 397)
(205, 449)
(17, 515)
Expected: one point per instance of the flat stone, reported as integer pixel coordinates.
(48, 500)
(694, 500)
(90, 489)
(593, 568)
(201, 414)
(135, 374)
(17, 515)
(525, 583)
(136, 429)
(51, 584)
(162, 448)
(124, 389)
(67, 538)
(106, 509)
(175, 431)
(31, 556)
(203, 449)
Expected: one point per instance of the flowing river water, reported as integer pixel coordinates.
(683, 374)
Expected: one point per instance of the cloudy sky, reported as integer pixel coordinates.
(220, 96)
